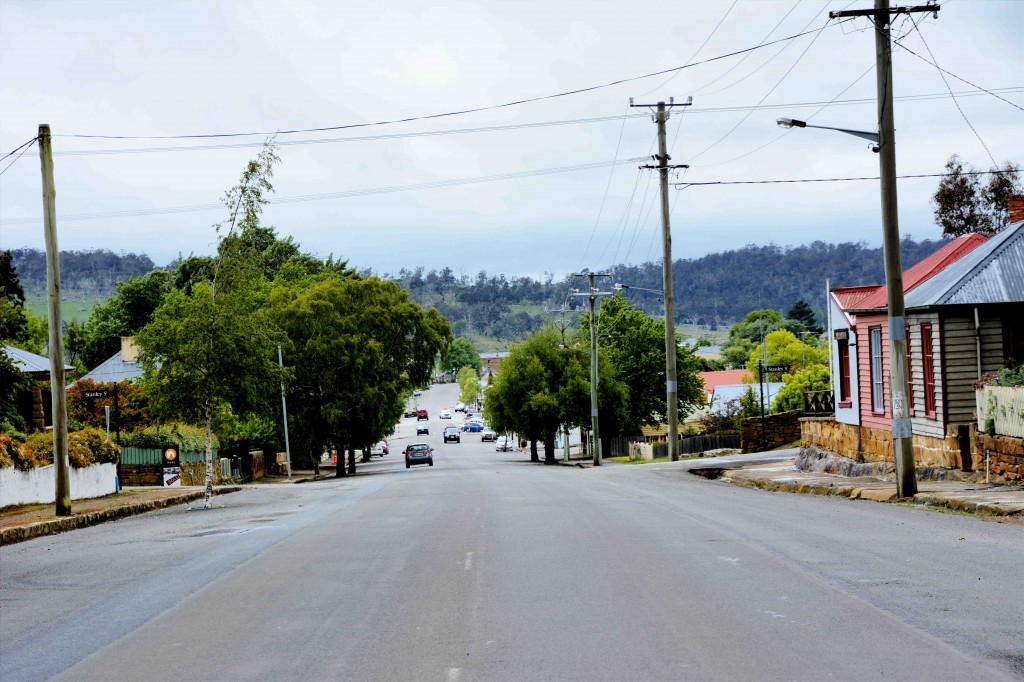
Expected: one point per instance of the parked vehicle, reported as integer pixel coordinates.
(504, 444)
(418, 453)
(445, 414)
(421, 415)
(417, 392)
(460, 407)
(380, 449)
(452, 433)
(409, 414)
(487, 435)
(422, 430)
(473, 427)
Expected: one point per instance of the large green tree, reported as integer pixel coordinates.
(356, 348)
(461, 353)
(635, 345)
(211, 351)
(124, 314)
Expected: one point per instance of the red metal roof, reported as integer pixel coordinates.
(849, 297)
(726, 377)
(928, 267)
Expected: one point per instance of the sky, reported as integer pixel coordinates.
(154, 73)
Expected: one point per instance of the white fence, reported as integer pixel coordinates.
(1005, 405)
(37, 485)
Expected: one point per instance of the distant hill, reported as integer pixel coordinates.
(715, 290)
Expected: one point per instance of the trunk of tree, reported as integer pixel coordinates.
(549, 448)
(534, 457)
(339, 465)
(209, 456)
(352, 460)
(366, 455)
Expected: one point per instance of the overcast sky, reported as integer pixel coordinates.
(148, 69)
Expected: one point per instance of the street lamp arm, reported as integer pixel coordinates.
(794, 123)
(620, 287)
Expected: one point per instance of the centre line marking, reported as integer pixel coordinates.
(454, 674)
(469, 561)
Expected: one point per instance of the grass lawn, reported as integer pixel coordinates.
(73, 306)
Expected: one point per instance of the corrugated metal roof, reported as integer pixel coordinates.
(849, 297)
(927, 268)
(991, 273)
(28, 362)
(723, 377)
(115, 369)
(726, 393)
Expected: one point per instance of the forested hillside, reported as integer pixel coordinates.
(716, 290)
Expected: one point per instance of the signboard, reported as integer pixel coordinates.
(842, 334)
(776, 368)
(171, 456)
(96, 394)
(172, 477)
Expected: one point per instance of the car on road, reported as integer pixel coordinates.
(409, 414)
(445, 414)
(421, 415)
(460, 407)
(418, 453)
(422, 430)
(380, 449)
(473, 426)
(503, 444)
(452, 433)
(417, 392)
(488, 436)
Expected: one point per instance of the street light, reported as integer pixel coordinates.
(795, 123)
(623, 287)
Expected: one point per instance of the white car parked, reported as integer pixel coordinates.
(503, 444)
(446, 413)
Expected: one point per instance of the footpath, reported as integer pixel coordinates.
(777, 471)
(27, 521)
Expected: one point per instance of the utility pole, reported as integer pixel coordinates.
(284, 412)
(902, 437)
(592, 295)
(671, 384)
(62, 482)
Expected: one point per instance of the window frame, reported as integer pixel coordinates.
(843, 352)
(877, 373)
(928, 366)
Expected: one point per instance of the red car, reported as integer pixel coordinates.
(421, 415)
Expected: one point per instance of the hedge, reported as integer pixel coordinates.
(85, 447)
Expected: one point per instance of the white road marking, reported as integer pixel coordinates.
(732, 560)
(454, 674)
(469, 561)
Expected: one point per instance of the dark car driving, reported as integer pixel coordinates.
(418, 453)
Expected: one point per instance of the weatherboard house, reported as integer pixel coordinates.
(964, 318)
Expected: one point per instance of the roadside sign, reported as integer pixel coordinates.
(172, 477)
(171, 456)
(97, 394)
(776, 368)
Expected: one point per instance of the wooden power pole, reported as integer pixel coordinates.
(62, 483)
(902, 436)
(671, 383)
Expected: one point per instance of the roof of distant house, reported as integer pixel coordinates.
(723, 377)
(29, 363)
(729, 392)
(114, 369)
(991, 273)
(493, 356)
(926, 269)
(850, 297)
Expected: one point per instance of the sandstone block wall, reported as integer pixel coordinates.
(865, 444)
(779, 430)
(1005, 454)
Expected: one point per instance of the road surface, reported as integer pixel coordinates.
(488, 567)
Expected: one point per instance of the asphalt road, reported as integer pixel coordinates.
(488, 567)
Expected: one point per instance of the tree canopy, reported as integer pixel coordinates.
(461, 353)
(964, 204)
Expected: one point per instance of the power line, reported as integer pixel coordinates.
(24, 148)
(333, 195)
(16, 149)
(684, 185)
(425, 117)
(963, 80)
(607, 187)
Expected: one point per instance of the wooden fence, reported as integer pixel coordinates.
(1005, 406)
(693, 444)
(155, 456)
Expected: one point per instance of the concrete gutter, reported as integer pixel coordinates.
(13, 534)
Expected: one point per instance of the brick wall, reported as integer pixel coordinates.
(1006, 456)
(779, 430)
(192, 473)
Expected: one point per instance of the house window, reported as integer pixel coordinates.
(844, 371)
(877, 392)
(910, 375)
(929, 370)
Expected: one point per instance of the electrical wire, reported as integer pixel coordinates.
(333, 195)
(684, 185)
(24, 148)
(607, 186)
(425, 117)
(962, 80)
(959, 108)
(770, 91)
(16, 149)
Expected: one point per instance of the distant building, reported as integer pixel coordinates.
(121, 366)
(490, 362)
(35, 406)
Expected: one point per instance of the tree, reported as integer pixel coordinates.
(212, 350)
(791, 397)
(802, 313)
(469, 386)
(461, 353)
(784, 348)
(356, 348)
(128, 311)
(635, 345)
(964, 205)
(13, 323)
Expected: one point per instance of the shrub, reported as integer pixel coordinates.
(85, 447)
(90, 446)
(188, 438)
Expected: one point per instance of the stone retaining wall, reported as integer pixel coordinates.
(192, 473)
(865, 444)
(1006, 456)
(779, 429)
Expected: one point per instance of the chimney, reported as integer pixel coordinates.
(129, 351)
(1016, 208)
